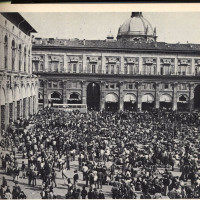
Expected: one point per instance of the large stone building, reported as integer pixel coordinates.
(134, 72)
(18, 86)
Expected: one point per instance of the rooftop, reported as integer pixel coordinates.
(116, 44)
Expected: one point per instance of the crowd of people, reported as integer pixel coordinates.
(137, 154)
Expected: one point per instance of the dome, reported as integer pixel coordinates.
(136, 28)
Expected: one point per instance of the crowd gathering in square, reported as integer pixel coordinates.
(143, 150)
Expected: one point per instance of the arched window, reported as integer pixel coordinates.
(20, 57)
(13, 55)
(25, 59)
(6, 52)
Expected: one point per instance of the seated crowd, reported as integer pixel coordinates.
(136, 154)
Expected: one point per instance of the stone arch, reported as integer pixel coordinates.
(74, 98)
(55, 97)
(148, 101)
(183, 102)
(165, 101)
(130, 102)
(112, 102)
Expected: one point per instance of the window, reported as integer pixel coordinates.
(20, 57)
(106, 69)
(130, 69)
(117, 69)
(130, 86)
(60, 84)
(112, 69)
(80, 68)
(184, 87)
(117, 85)
(13, 55)
(125, 70)
(41, 84)
(93, 68)
(74, 68)
(55, 84)
(6, 52)
(41, 67)
(49, 84)
(166, 86)
(107, 86)
(25, 59)
(112, 86)
(36, 64)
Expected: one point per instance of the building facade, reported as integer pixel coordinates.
(18, 86)
(133, 72)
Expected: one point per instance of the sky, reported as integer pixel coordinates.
(174, 27)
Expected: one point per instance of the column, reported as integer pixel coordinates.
(191, 97)
(158, 66)
(103, 64)
(84, 64)
(121, 96)
(83, 96)
(122, 65)
(15, 110)
(175, 85)
(46, 63)
(193, 67)
(27, 108)
(64, 92)
(157, 96)
(21, 108)
(31, 105)
(139, 96)
(7, 115)
(102, 96)
(45, 96)
(175, 66)
(140, 66)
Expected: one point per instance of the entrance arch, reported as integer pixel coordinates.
(165, 101)
(112, 102)
(55, 97)
(130, 102)
(197, 97)
(183, 102)
(93, 96)
(74, 98)
(147, 102)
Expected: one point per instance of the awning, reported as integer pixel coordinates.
(166, 98)
(111, 98)
(147, 98)
(130, 98)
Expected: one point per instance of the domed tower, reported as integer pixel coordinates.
(137, 28)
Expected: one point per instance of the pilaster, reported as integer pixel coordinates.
(175, 85)
(102, 100)
(84, 87)
(45, 96)
(64, 92)
(157, 96)
(191, 97)
(139, 96)
(121, 96)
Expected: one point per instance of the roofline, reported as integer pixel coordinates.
(34, 47)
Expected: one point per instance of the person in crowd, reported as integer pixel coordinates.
(124, 149)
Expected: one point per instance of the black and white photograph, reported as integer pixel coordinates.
(100, 105)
